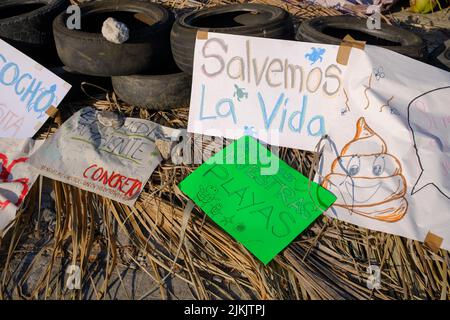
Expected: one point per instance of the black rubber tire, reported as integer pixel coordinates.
(441, 50)
(90, 53)
(155, 92)
(75, 79)
(411, 45)
(274, 23)
(30, 32)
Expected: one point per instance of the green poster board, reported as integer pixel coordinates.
(256, 197)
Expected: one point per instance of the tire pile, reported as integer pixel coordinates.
(153, 68)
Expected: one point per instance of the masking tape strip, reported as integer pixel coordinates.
(345, 48)
(51, 111)
(433, 241)
(202, 35)
(38, 67)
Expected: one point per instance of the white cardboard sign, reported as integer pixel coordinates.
(386, 118)
(388, 161)
(27, 92)
(285, 93)
(115, 162)
(16, 177)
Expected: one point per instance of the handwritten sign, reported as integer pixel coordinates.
(286, 93)
(385, 118)
(115, 162)
(388, 162)
(265, 212)
(28, 93)
(16, 177)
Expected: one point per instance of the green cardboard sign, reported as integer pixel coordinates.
(256, 197)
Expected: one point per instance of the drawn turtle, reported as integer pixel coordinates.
(250, 131)
(216, 209)
(240, 93)
(315, 55)
(379, 73)
(206, 193)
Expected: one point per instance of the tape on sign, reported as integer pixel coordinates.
(202, 35)
(38, 67)
(51, 111)
(346, 47)
(433, 241)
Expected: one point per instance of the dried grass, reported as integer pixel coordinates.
(327, 261)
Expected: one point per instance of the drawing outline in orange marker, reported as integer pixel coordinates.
(366, 179)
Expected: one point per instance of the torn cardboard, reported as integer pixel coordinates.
(92, 152)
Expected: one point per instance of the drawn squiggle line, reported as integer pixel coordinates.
(365, 92)
(387, 104)
(346, 101)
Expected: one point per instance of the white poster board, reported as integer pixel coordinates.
(16, 177)
(385, 117)
(388, 162)
(28, 93)
(281, 92)
(115, 162)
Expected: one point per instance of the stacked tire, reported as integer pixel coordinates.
(171, 87)
(331, 30)
(141, 69)
(241, 19)
(27, 26)
(153, 68)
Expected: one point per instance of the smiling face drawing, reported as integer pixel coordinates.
(366, 179)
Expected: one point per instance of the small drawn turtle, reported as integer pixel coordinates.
(206, 193)
(379, 73)
(249, 131)
(240, 93)
(395, 111)
(315, 55)
(216, 209)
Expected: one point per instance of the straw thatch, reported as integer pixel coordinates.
(164, 241)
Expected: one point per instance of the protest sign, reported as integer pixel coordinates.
(285, 93)
(29, 93)
(263, 211)
(385, 117)
(389, 162)
(16, 177)
(110, 158)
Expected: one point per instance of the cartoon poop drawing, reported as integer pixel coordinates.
(366, 179)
